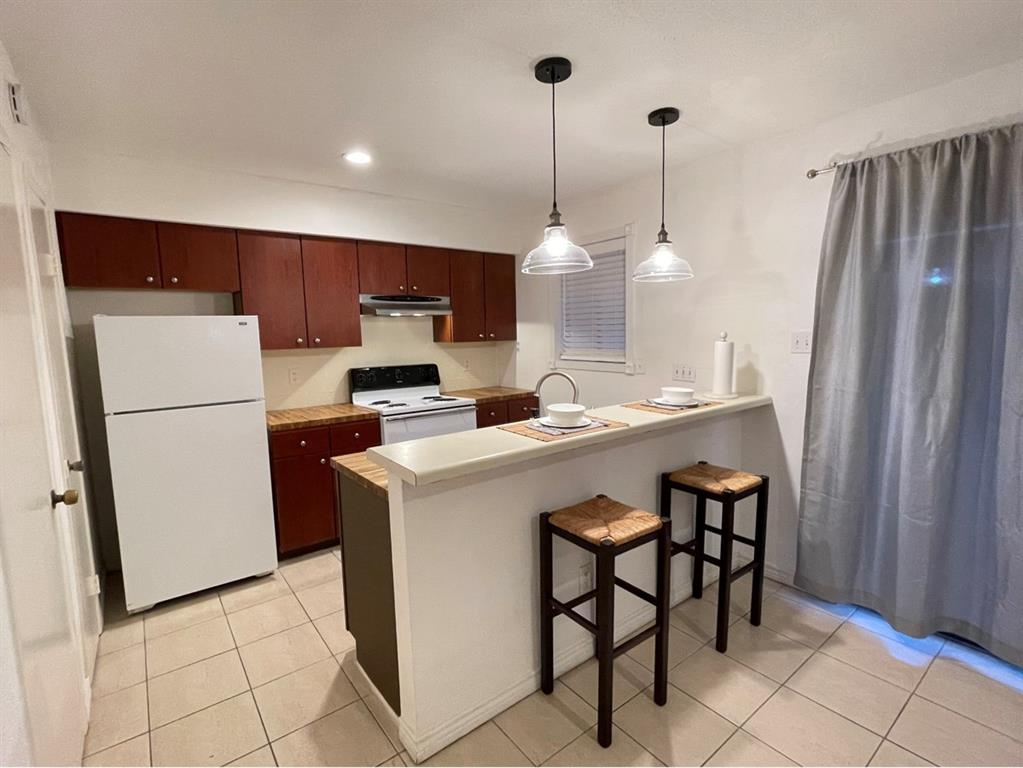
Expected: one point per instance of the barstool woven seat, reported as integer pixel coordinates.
(603, 518)
(727, 486)
(606, 528)
(714, 479)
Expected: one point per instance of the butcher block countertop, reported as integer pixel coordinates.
(491, 394)
(316, 416)
(363, 471)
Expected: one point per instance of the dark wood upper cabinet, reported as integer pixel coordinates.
(272, 287)
(381, 268)
(499, 279)
(467, 321)
(331, 275)
(195, 258)
(428, 270)
(108, 251)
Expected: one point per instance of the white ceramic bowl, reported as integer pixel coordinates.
(677, 394)
(566, 414)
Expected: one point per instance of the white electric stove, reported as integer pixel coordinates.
(409, 402)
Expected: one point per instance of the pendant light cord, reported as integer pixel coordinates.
(663, 131)
(554, 143)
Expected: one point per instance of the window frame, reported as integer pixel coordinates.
(628, 365)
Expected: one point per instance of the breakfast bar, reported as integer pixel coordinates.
(456, 522)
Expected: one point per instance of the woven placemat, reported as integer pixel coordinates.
(643, 405)
(550, 434)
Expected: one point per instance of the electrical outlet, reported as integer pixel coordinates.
(293, 375)
(800, 343)
(465, 364)
(683, 372)
(585, 577)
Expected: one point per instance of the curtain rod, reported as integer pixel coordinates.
(813, 173)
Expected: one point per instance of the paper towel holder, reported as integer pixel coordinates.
(724, 369)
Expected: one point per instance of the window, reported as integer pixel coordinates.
(592, 326)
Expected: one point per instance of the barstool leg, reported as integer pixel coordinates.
(546, 609)
(665, 501)
(699, 535)
(725, 571)
(759, 553)
(605, 640)
(663, 605)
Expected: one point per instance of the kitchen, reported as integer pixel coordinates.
(313, 410)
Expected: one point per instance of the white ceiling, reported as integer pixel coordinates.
(442, 92)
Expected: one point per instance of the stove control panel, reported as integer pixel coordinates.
(393, 377)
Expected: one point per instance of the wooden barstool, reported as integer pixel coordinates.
(607, 528)
(727, 486)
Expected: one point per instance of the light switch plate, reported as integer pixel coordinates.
(293, 375)
(800, 342)
(684, 373)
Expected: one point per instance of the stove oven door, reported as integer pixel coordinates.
(412, 426)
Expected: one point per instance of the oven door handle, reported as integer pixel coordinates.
(439, 412)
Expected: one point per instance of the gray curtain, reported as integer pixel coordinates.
(912, 501)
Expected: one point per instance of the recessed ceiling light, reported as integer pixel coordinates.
(358, 157)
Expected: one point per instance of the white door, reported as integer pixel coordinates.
(59, 350)
(147, 363)
(42, 682)
(192, 498)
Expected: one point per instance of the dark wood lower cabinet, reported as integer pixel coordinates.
(491, 414)
(304, 502)
(303, 481)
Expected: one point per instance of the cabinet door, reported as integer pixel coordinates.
(108, 251)
(491, 414)
(194, 258)
(521, 408)
(304, 502)
(381, 268)
(499, 277)
(467, 319)
(428, 270)
(270, 267)
(331, 275)
(354, 437)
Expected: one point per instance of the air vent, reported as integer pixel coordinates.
(17, 102)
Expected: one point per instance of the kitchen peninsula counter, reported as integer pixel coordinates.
(441, 574)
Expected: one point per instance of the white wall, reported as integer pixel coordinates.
(750, 223)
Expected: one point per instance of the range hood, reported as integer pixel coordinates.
(399, 305)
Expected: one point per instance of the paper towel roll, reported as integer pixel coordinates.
(724, 366)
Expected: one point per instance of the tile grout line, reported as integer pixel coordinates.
(507, 736)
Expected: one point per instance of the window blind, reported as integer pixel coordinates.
(593, 307)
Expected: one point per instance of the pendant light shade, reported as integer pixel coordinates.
(663, 265)
(556, 255)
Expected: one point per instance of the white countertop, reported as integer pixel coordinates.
(432, 459)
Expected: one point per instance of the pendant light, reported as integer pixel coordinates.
(556, 255)
(663, 265)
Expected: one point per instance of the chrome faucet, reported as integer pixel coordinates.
(562, 374)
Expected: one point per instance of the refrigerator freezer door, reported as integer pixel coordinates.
(147, 363)
(192, 499)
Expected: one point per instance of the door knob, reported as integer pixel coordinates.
(174, 279)
(68, 498)
(76, 466)
(150, 278)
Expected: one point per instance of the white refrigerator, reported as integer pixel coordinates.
(186, 431)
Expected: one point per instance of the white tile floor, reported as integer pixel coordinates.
(261, 674)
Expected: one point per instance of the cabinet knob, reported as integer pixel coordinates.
(356, 435)
(150, 278)
(401, 287)
(301, 443)
(493, 335)
(316, 340)
(415, 287)
(492, 413)
(323, 461)
(481, 335)
(300, 340)
(174, 279)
